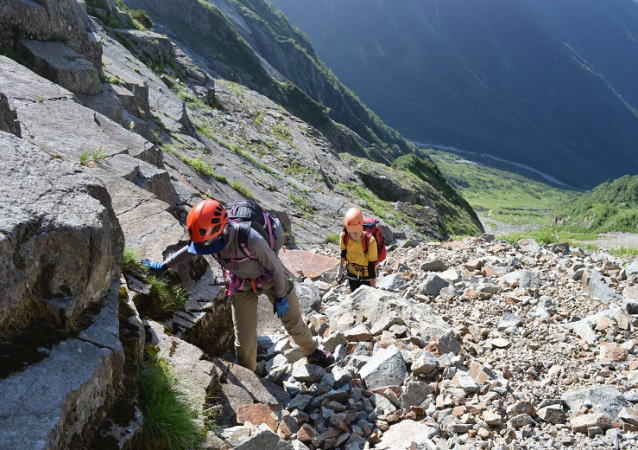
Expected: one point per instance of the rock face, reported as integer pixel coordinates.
(50, 20)
(62, 65)
(62, 359)
(60, 400)
(60, 239)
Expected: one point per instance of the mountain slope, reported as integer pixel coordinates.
(487, 76)
(610, 206)
(248, 42)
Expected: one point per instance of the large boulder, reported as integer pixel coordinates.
(60, 400)
(381, 309)
(385, 368)
(62, 65)
(59, 239)
(601, 399)
(50, 20)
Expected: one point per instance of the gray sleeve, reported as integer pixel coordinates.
(267, 258)
(179, 257)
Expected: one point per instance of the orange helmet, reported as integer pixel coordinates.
(353, 220)
(206, 220)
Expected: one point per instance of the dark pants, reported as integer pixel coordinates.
(354, 284)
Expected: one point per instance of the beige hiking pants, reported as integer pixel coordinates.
(244, 309)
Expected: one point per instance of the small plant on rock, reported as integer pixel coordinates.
(170, 418)
(243, 190)
(130, 262)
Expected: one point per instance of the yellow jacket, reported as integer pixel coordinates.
(358, 260)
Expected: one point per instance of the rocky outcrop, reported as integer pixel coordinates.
(50, 116)
(60, 240)
(50, 20)
(62, 360)
(62, 65)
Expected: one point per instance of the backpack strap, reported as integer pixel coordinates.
(243, 230)
(366, 241)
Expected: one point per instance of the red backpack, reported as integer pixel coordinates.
(371, 228)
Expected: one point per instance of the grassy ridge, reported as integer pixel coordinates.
(501, 195)
(610, 206)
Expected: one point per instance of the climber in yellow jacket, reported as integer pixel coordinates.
(358, 252)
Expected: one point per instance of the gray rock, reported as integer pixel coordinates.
(237, 435)
(435, 265)
(62, 65)
(509, 320)
(264, 439)
(424, 364)
(383, 309)
(393, 282)
(529, 280)
(583, 329)
(383, 405)
(261, 390)
(433, 285)
(59, 20)
(407, 432)
(466, 382)
(488, 288)
(529, 246)
(49, 402)
(586, 422)
(299, 402)
(596, 287)
(414, 394)
(632, 269)
(603, 399)
(309, 298)
(632, 308)
(307, 372)
(552, 414)
(449, 343)
(55, 218)
(385, 368)
(148, 45)
(144, 175)
(545, 308)
(521, 407)
(55, 120)
(521, 420)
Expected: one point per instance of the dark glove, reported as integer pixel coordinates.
(155, 268)
(281, 307)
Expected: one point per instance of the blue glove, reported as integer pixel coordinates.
(281, 306)
(155, 268)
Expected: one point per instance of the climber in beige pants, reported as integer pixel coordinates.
(253, 268)
(244, 308)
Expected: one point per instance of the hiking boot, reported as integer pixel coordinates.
(321, 358)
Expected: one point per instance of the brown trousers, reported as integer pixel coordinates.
(244, 309)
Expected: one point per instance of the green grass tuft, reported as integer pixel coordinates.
(131, 263)
(199, 166)
(170, 420)
(306, 208)
(282, 132)
(624, 252)
(243, 190)
(334, 238)
(113, 79)
(163, 299)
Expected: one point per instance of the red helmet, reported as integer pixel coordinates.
(206, 220)
(353, 220)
